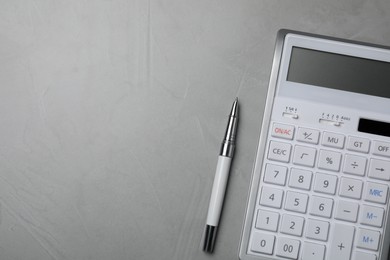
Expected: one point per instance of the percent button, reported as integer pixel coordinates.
(329, 160)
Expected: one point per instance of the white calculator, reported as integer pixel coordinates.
(320, 184)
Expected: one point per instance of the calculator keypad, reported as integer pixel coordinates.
(323, 195)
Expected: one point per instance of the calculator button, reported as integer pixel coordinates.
(292, 225)
(376, 192)
(381, 148)
(304, 156)
(283, 131)
(307, 135)
(329, 160)
(355, 165)
(296, 202)
(288, 248)
(325, 183)
(333, 140)
(318, 230)
(271, 197)
(368, 239)
(341, 242)
(379, 169)
(320, 206)
(275, 174)
(300, 179)
(364, 256)
(372, 216)
(313, 251)
(267, 220)
(262, 243)
(351, 188)
(347, 211)
(358, 144)
(279, 151)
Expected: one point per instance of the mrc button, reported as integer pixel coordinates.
(381, 148)
(282, 131)
(376, 192)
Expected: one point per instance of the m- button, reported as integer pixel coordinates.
(283, 131)
(381, 148)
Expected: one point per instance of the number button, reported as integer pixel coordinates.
(300, 179)
(271, 197)
(296, 202)
(275, 174)
(317, 229)
(267, 220)
(292, 225)
(262, 243)
(321, 206)
(288, 248)
(325, 183)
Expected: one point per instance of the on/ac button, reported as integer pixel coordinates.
(282, 131)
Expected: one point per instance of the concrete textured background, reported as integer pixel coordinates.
(112, 114)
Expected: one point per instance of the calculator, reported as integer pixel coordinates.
(320, 183)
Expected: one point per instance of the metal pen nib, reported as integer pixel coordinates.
(229, 142)
(220, 180)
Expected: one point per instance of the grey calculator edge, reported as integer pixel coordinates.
(250, 215)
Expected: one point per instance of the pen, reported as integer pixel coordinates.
(220, 180)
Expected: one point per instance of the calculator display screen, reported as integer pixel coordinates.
(374, 127)
(340, 72)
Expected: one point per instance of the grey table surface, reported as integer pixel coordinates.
(112, 115)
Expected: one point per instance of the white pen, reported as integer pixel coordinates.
(220, 180)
